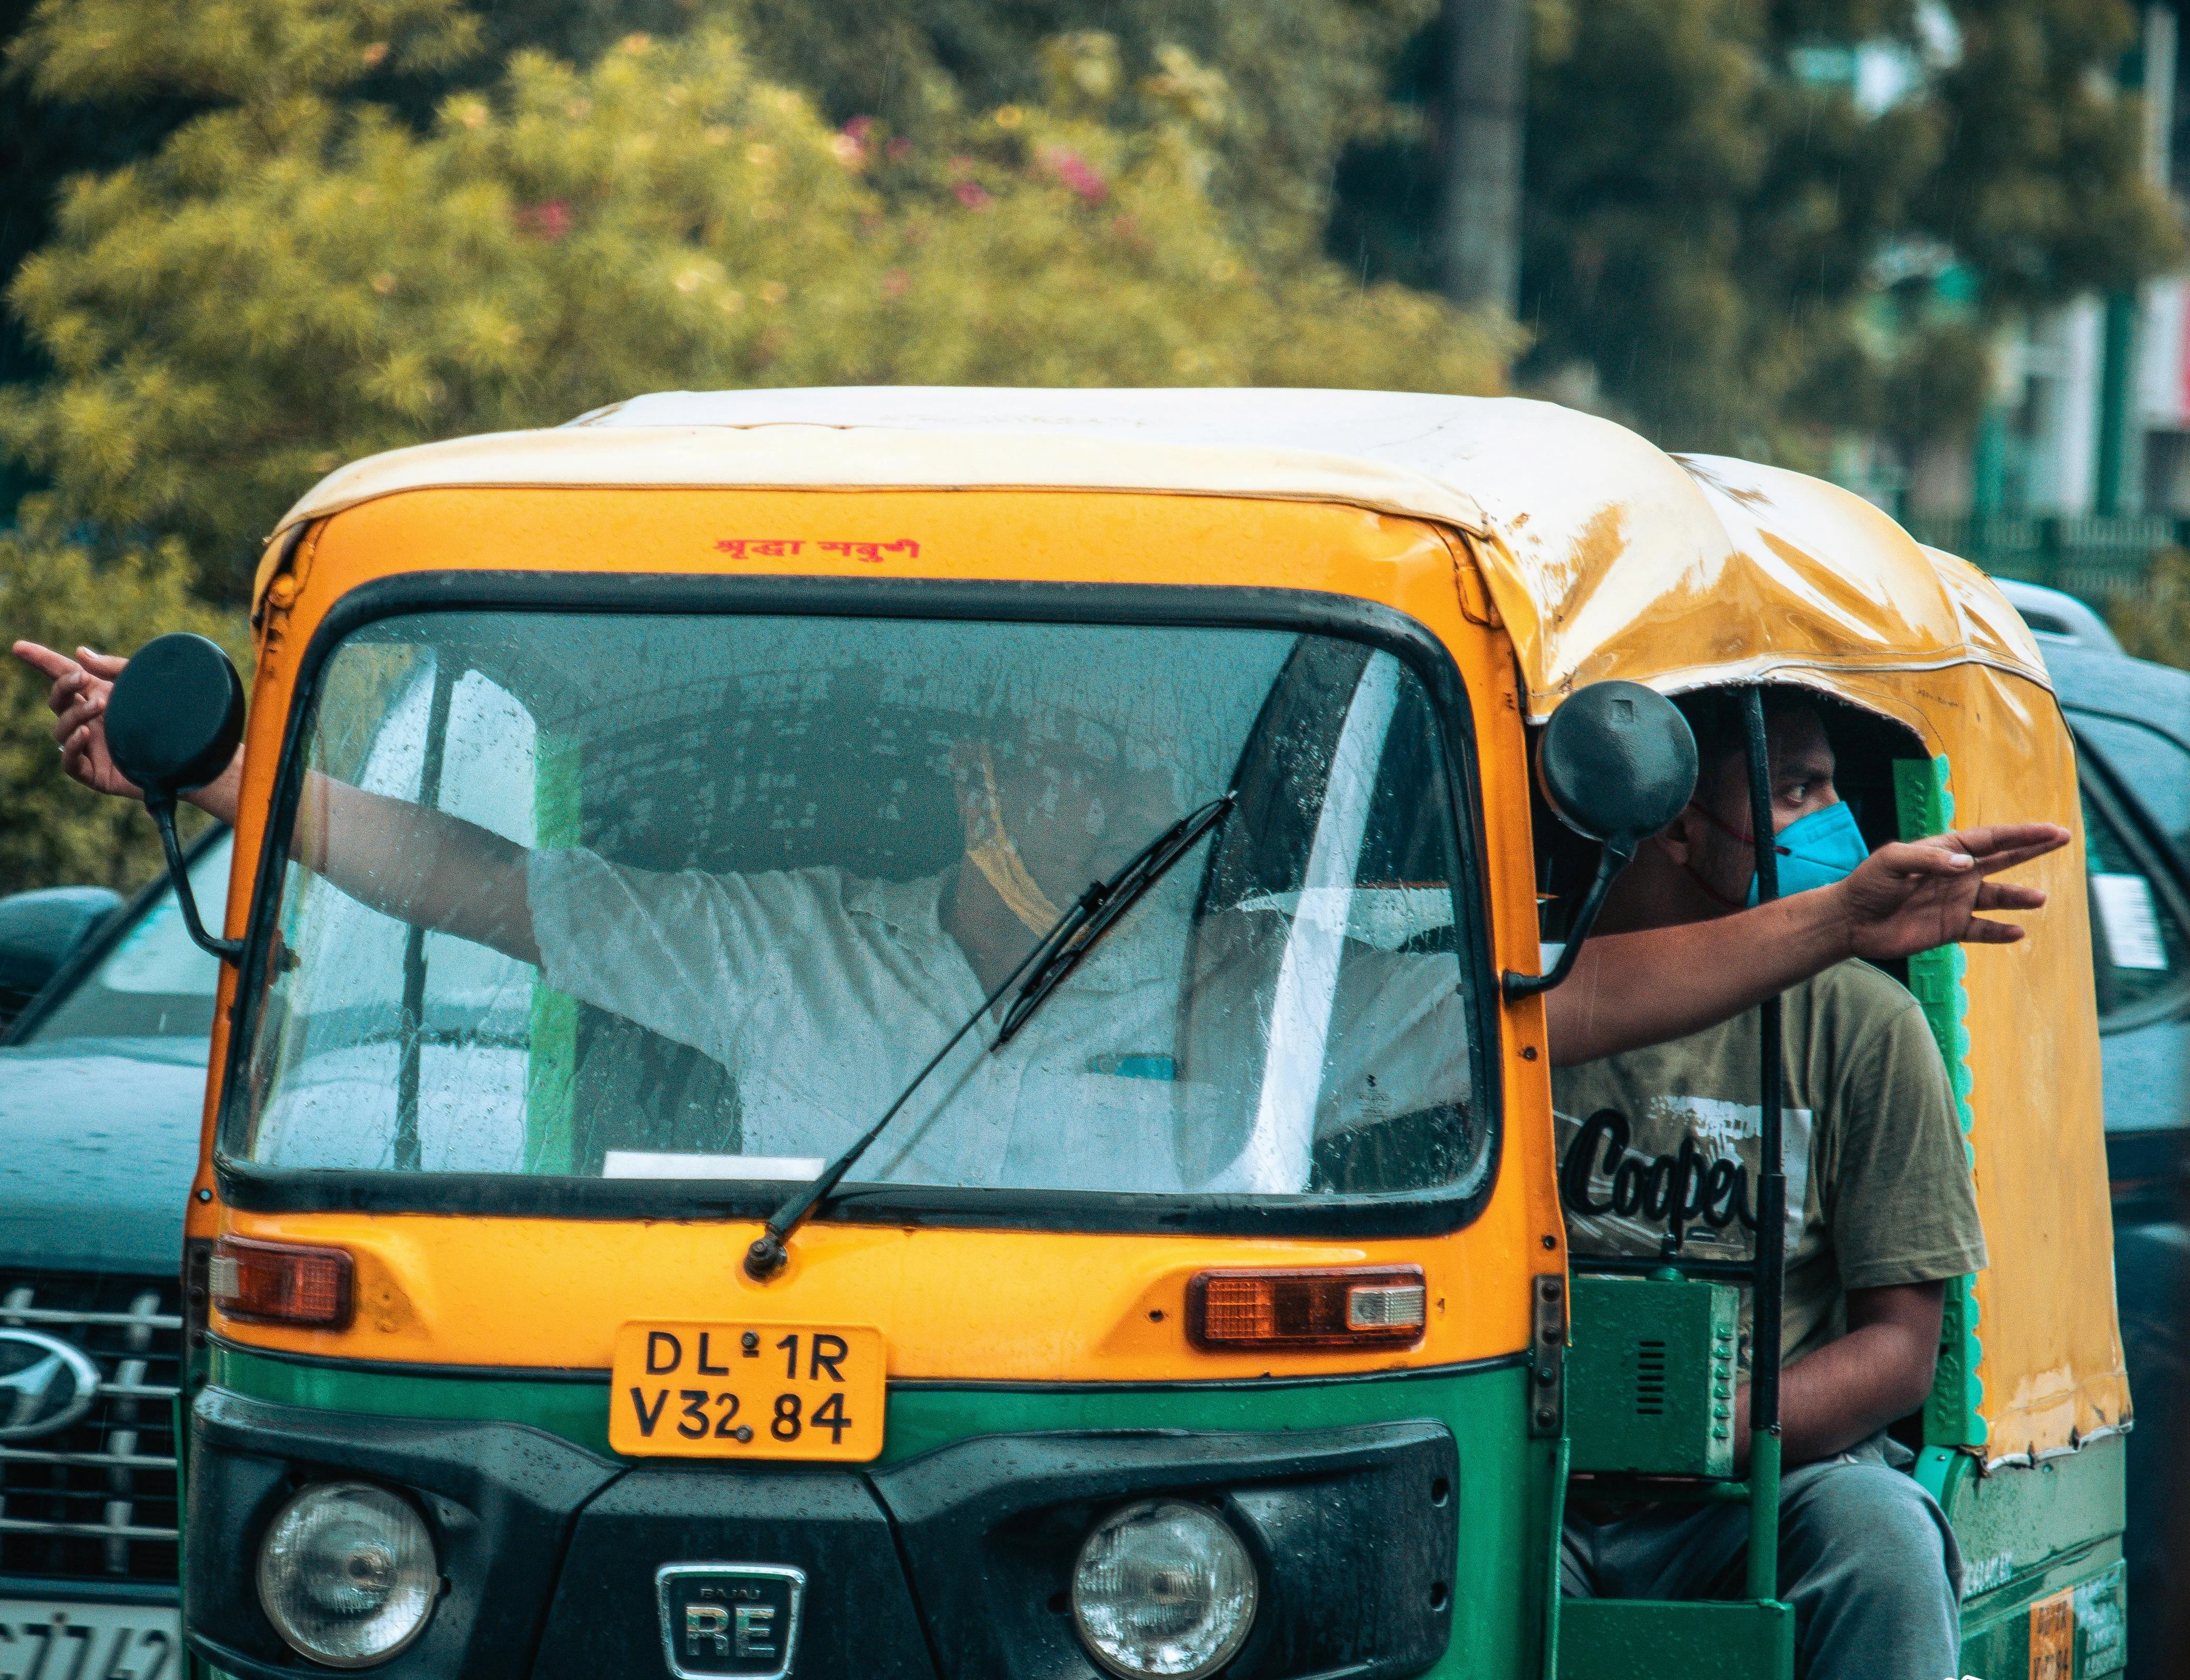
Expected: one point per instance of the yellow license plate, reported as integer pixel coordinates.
(711, 1390)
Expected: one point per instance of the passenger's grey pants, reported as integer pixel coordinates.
(1866, 1558)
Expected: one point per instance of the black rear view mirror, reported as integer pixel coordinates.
(1616, 762)
(172, 723)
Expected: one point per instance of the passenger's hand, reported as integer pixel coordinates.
(78, 699)
(1916, 895)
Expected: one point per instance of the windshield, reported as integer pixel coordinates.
(153, 983)
(610, 896)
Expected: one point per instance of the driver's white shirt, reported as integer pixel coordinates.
(824, 994)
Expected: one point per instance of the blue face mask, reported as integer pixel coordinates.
(1817, 850)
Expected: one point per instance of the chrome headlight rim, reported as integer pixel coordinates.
(291, 1507)
(1226, 1538)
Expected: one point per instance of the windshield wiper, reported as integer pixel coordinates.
(1055, 955)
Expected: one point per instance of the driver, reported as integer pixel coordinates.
(844, 986)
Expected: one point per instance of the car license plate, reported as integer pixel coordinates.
(44, 1639)
(706, 1390)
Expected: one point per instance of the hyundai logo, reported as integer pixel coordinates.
(45, 1384)
(730, 1619)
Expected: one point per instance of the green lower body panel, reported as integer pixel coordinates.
(1505, 1485)
(2044, 1590)
(1644, 1639)
(2082, 1628)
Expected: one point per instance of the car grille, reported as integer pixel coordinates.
(97, 1499)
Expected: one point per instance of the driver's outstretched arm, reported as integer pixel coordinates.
(419, 865)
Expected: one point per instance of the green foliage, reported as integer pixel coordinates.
(268, 55)
(2158, 625)
(1709, 229)
(60, 592)
(297, 277)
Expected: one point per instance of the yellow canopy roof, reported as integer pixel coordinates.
(1605, 556)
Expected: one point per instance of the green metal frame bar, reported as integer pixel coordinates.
(1771, 1203)
(1551, 1605)
(1924, 803)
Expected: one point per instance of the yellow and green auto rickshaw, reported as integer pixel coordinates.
(570, 1296)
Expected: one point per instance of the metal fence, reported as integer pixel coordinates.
(2098, 559)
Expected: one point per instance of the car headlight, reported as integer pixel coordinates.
(1163, 1587)
(347, 1573)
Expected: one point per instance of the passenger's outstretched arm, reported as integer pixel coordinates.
(417, 865)
(1629, 990)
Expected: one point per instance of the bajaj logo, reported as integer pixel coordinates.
(736, 1618)
(45, 1384)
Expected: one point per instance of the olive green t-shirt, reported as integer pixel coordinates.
(1659, 1148)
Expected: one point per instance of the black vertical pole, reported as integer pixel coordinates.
(1771, 1204)
(411, 1024)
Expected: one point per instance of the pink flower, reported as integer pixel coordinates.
(972, 195)
(849, 143)
(898, 149)
(895, 282)
(551, 220)
(1073, 171)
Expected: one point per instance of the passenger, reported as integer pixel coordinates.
(474, 884)
(1880, 1213)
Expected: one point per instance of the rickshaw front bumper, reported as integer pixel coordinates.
(556, 1564)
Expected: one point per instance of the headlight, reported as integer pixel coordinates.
(347, 1573)
(1163, 1587)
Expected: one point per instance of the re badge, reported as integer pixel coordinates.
(730, 1619)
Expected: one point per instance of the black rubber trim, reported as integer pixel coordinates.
(274, 1189)
(498, 1498)
(1353, 1531)
(601, 1376)
(258, 1189)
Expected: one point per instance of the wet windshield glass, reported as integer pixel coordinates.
(613, 896)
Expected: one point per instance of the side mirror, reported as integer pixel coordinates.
(172, 722)
(39, 932)
(1617, 758)
(1616, 762)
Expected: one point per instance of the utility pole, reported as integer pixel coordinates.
(1486, 97)
(2118, 487)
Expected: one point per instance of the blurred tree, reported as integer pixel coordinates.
(41, 141)
(297, 277)
(2158, 625)
(1290, 85)
(1751, 221)
(61, 594)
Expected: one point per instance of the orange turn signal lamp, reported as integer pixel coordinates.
(1341, 1307)
(281, 1283)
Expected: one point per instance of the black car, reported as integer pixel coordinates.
(102, 1085)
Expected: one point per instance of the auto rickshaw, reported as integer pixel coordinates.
(555, 1309)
